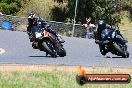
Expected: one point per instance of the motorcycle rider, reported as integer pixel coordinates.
(33, 21)
(98, 39)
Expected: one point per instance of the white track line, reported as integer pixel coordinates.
(2, 51)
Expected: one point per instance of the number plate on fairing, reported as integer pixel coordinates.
(38, 35)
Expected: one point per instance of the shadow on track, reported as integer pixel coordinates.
(110, 57)
(39, 56)
(113, 57)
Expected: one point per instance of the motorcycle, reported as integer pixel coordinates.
(111, 43)
(47, 42)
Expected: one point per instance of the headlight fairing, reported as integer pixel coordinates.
(37, 34)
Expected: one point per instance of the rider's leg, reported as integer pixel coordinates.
(102, 49)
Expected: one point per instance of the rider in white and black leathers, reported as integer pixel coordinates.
(33, 21)
(102, 26)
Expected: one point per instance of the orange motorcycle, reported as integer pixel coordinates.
(49, 43)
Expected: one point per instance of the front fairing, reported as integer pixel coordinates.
(37, 32)
(106, 36)
(37, 29)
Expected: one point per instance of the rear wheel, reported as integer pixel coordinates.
(48, 47)
(121, 51)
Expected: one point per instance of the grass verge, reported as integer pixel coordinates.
(14, 76)
(126, 28)
(127, 34)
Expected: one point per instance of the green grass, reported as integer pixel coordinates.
(34, 79)
(126, 28)
(127, 35)
(125, 24)
(40, 7)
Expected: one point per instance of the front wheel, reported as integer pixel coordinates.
(62, 52)
(48, 47)
(126, 55)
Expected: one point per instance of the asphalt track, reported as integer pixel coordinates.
(79, 52)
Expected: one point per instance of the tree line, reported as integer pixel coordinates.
(11, 7)
(109, 10)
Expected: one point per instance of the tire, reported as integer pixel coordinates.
(34, 47)
(62, 52)
(124, 54)
(103, 52)
(48, 50)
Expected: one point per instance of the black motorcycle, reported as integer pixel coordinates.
(111, 43)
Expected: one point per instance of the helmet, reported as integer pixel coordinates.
(101, 24)
(31, 16)
(32, 19)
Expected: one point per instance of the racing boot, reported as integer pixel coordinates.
(34, 45)
(102, 50)
(30, 36)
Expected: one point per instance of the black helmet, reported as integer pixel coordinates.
(32, 19)
(31, 16)
(101, 24)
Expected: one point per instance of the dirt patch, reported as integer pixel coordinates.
(69, 69)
